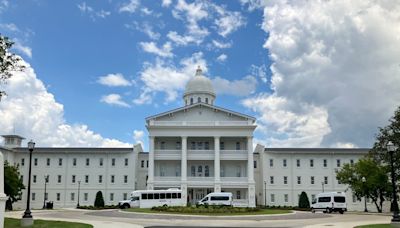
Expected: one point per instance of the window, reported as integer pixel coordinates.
(142, 164)
(72, 196)
(22, 178)
(272, 198)
(206, 171)
(206, 145)
(285, 180)
(271, 180)
(351, 162)
(85, 196)
(101, 162)
(298, 179)
(326, 180)
(325, 163)
(111, 196)
(74, 162)
(126, 161)
(125, 196)
(59, 179)
(298, 162)
(222, 146)
(286, 198)
(48, 161)
(284, 163)
(147, 163)
(125, 178)
(206, 100)
(100, 179)
(22, 161)
(178, 145)
(35, 162)
(339, 199)
(237, 194)
(255, 164)
(312, 197)
(198, 99)
(199, 145)
(177, 170)
(237, 145)
(324, 199)
(238, 171)
(191, 100)
(193, 171)
(60, 162)
(113, 162)
(87, 161)
(33, 196)
(112, 179)
(86, 179)
(271, 162)
(162, 145)
(199, 170)
(354, 198)
(192, 145)
(73, 178)
(337, 162)
(58, 196)
(34, 179)
(311, 163)
(312, 180)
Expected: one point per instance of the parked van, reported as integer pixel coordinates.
(217, 198)
(330, 202)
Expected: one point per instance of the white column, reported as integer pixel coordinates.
(3, 196)
(217, 179)
(250, 173)
(150, 181)
(184, 159)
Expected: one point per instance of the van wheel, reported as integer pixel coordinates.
(126, 206)
(330, 210)
(341, 211)
(312, 210)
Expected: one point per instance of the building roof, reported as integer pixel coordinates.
(199, 84)
(12, 136)
(317, 150)
(75, 150)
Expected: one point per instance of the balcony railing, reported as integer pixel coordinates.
(167, 154)
(200, 179)
(201, 154)
(234, 154)
(167, 178)
(234, 179)
(200, 123)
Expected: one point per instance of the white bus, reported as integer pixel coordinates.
(154, 198)
(217, 198)
(330, 202)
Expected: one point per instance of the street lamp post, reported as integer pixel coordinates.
(79, 187)
(265, 193)
(323, 183)
(46, 179)
(363, 179)
(391, 149)
(27, 219)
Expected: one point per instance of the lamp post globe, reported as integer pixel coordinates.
(27, 219)
(391, 148)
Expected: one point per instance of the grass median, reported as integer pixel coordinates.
(16, 223)
(214, 211)
(375, 226)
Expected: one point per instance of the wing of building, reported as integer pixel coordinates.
(199, 148)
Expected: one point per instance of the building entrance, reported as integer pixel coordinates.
(196, 194)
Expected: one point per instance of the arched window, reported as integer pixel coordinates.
(198, 99)
(206, 100)
(191, 100)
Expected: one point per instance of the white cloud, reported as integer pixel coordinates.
(228, 22)
(340, 59)
(146, 11)
(242, 87)
(113, 80)
(103, 13)
(34, 113)
(151, 47)
(221, 45)
(130, 7)
(144, 27)
(222, 58)
(260, 72)
(182, 40)
(10, 27)
(138, 136)
(22, 49)
(114, 99)
(86, 9)
(166, 3)
(157, 78)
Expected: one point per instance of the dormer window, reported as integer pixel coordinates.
(198, 99)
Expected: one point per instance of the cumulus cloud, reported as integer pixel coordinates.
(157, 77)
(27, 51)
(151, 47)
(339, 59)
(138, 136)
(228, 21)
(86, 9)
(114, 99)
(113, 80)
(35, 114)
(221, 45)
(242, 87)
(182, 40)
(222, 58)
(146, 28)
(10, 27)
(166, 3)
(130, 7)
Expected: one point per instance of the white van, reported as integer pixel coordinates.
(217, 198)
(330, 202)
(154, 198)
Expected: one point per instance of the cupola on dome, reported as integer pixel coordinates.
(199, 89)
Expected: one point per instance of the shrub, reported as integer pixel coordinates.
(303, 201)
(99, 202)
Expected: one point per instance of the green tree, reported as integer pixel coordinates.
(13, 184)
(9, 62)
(303, 201)
(376, 185)
(99, 201)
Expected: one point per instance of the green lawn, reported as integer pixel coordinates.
(260, 212)
(15, 223)
(375, 226)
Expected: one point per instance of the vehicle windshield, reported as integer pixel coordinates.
(205, 199)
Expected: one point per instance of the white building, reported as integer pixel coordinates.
(199, 148)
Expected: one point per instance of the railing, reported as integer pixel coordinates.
(200, 179)
(234, 179)
(167, 154)
(200, 123)
(200, 154)
(234, 154)
(167, 178)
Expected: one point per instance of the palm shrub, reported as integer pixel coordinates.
(99, 201)
(303, 201)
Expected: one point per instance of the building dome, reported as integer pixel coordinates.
(199, 89)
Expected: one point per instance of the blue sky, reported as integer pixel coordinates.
(112, 63)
